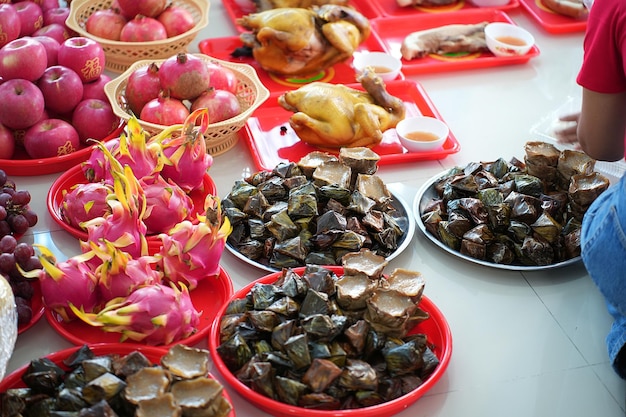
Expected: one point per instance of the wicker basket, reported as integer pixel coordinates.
(220, 136)
(120, 55)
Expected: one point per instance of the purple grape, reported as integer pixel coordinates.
(3, 213)
(22, 288)
(31, 216)
(7, 262)
(3, 177)
(8, 190)
(7, 244)
(24, 311)
(22, 252)
(21, 198)
(31, 264)
(18, 223)
(5, 198)
(5, 229)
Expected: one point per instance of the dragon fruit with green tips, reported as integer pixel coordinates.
(166, 204)
(123, 227)
(65, 283)
(119, 274)
(191, 252)
(132, 148)
(157, 314)
(84, 202)
(186, 158)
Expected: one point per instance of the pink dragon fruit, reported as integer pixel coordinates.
(191, 252)
(155, 314)
(66, 283)
(119, 274)
(85, 202)
(187, 159)
(132, 148)
(166, 204)
(124, 227)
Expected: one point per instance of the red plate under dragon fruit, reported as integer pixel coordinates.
(75, 176)
(208, 297)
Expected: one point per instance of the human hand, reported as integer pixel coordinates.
(567, 133)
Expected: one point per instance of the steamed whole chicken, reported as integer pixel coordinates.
(334, 115)
(262, 5)
(303, 42)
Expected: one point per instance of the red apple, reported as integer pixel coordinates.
(23, 58)
(31, 17)
(222, 78)
(52, 48)
(106, 24)
(7, 143)
(57, 15)
(21, 103)
(50, 138)
(54, 30)
(94, 119)
(61, 87)
(83, 55)
(10, 24)
(95, 89)
(18, 134)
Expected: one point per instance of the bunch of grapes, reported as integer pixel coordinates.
(13, 254)
(15, 219)
(15, 214)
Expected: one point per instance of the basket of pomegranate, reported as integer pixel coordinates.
(131, 30)
(162, 93)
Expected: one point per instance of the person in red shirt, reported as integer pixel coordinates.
(600, 131)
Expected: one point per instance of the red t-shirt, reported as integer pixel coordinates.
(604, 63)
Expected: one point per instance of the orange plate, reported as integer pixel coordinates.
(239, 8)
(342, 73)
(154, 354)
(391, 8)
(21, 164)
(436, 329)
(207, 298)
(393, 30)
(75, 176)
(36, 305)
(552, 21)
(271, 144)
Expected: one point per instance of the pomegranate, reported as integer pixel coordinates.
(221, 104)
(143, 85)
(149, 8)
(143, 29)
(176, 20)
(164, 110)
(106, 24)
(184, 75)
(222, 78)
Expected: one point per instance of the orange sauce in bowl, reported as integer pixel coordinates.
(511, 40)
(380, 69)
(421, 136)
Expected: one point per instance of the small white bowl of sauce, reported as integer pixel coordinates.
(506, 39)
(385, 65)
(422, 133)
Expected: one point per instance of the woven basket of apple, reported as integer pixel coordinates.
(162, 93)
(132, 30)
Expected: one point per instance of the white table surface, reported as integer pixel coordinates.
(525, 343)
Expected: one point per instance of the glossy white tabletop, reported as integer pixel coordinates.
(524, 343)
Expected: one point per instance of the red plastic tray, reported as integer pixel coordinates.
(269, 145)
(22, 165)
(391, 8)
(342, 73)
(238, 8)
(392, 31)
(551, 21)
(208, 297)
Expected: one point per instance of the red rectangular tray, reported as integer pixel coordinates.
(238, 8)
(391, 8)
(271, 144)
(551, 21)
(392, 30)
(342, 73)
